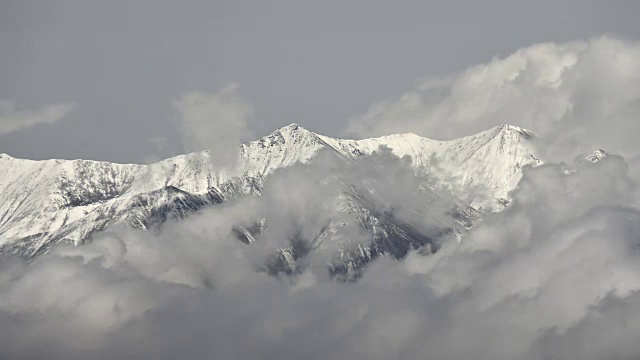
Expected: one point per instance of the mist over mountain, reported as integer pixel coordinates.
(509, 243)
(445, 187)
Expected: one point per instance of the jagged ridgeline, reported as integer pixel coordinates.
(46, 202)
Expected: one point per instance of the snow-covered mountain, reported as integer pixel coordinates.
(46, 202)
(596, 156)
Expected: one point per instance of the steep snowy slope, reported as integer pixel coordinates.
(44, 202)
(362, 230)
(481, 168)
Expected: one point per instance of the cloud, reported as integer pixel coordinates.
(554, 276)
(578, 96)
(215, 122)
(329, 201)
(12, 120)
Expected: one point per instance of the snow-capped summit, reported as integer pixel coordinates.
(44, 202)
(596, 156)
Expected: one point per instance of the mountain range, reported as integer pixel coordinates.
(43, 203)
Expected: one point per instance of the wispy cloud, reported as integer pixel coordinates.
(12, 120)
(216, 122)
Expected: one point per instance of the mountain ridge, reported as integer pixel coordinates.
(47, 201)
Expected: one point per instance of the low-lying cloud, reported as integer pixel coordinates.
(556, 275)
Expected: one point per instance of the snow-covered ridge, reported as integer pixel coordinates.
(596, 156)
(50, 200)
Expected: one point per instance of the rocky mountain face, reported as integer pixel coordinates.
(46, 202)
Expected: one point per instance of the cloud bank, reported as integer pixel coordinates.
(554, 276)
(12, 120)
(578, 96)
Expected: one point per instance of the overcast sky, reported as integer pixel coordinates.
(100, 80)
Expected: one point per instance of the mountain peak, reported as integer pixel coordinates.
(596, 156)
(293, 127)
(288, 133)
(512, 129)
(291, 131)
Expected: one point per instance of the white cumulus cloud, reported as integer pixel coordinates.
(578, 96)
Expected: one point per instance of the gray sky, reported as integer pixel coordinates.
(124, 63)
